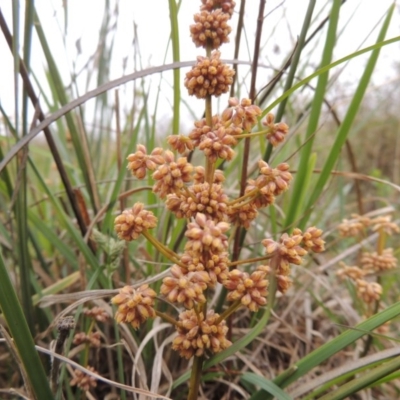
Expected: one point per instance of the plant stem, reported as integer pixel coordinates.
(171, 255)
(195, 378)
(167, 318)
(232, 308)
(248, 261)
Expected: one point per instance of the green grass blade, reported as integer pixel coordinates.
(327, 350)
(316, 107)
(19, 329)
(363, 381)
(266, 385)
(173, 15)
(348, 119)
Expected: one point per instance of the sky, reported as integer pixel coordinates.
(148, 23)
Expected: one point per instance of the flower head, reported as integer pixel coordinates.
(131, 223)
(277, 132)
(197, 334)
(210, 27)
(200, 197)
(368, 291)
(375, 262)
(185, 287)
(134, 305)
(140, 161)
(250, 289)
(210, 76)
(82, 380)
(227, 6)
(172, 175)
(206, 235)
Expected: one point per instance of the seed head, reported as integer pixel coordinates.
(82, 380)
(140, 161)
(180, 143)
(172, 175)
(210, 27)
(312, 239)
(243, 214)
(134, 305)
(352, 272)
(197, 334)
(354, 226)
(368, 291)
(210, 200)
(277, 132)
(375, 262)
(209, 77)
(250, 289)
(206, 235)
(243, 114)
(218, 144)
(97, 313)
(273, 180)
(185, 287)
(93, 339)
(131, 223)
(385, 224)
(226, 6)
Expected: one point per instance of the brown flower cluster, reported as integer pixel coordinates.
(92, 339)
(290, 250)
(276, 131)
(97, 313)
(196, 334)
(374, 262)
(200, 197)
(132, 222)
(370, 263)
(134, 305)
(172, 175)
(260, 193)
(226, 5)
(82, 380)
(185, 287)
(140, 161)
(368, 291)
(384, 224)
(209, 76)
(354, 226)
(210, 27)
(242, 115)
(251, 290)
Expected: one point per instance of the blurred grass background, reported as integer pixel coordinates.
(71, 180)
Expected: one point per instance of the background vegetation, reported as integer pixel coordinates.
(67, 126)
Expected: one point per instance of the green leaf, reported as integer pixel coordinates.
(23, 340)
(266, 385)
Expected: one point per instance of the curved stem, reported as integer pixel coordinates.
(167, 318)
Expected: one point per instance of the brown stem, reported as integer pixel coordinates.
(246, 152)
